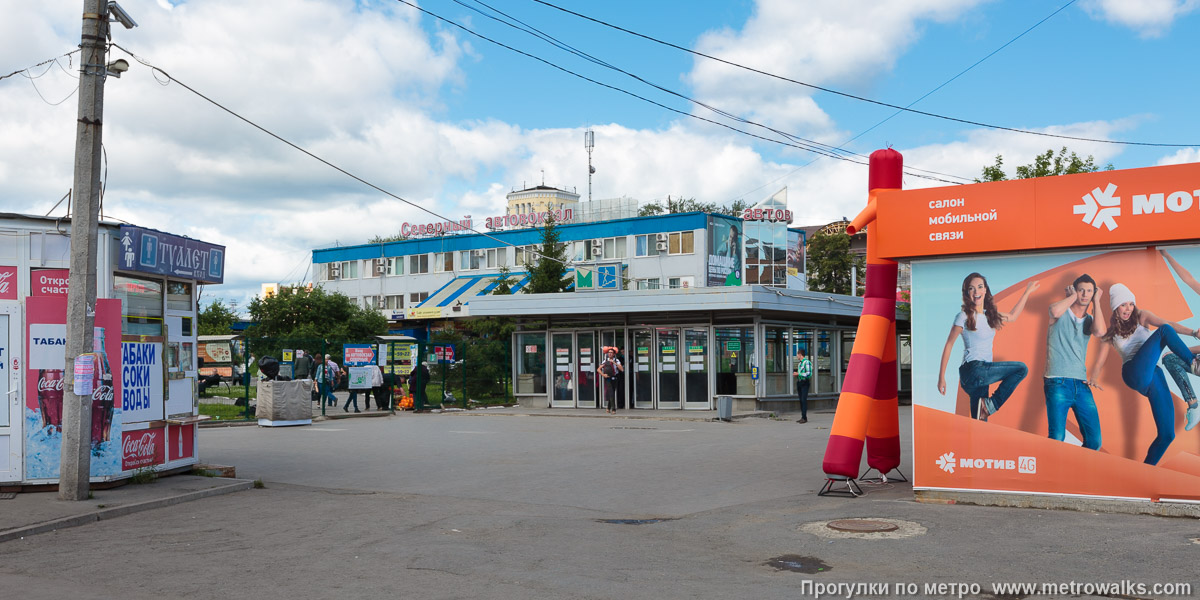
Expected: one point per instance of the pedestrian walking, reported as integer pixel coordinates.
(324, 381)
(610, 369)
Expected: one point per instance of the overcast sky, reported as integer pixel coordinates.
(451, 122)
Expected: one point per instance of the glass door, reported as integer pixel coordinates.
(586, 392)
(609, 338)
(11, 409)
(642, 367)
(563, 394)
(668, 364)
(695, 370)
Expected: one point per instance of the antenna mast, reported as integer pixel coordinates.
(589, 142)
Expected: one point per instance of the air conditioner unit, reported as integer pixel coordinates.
(480, 253)
(661, 245)
(661, 237)
(598, 243)
(380, 267)
(335, 270)
(381, 302)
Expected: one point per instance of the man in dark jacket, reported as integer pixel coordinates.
(302, 368)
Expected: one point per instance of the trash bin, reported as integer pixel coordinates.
(725, 408)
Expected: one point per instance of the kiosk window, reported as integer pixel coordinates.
(141, 303)
(179, 295)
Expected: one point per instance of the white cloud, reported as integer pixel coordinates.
(1184, 155)
(821, 43)
(1150, 18)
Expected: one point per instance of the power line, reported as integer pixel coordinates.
(852, 96)
(797, 142)
(929, 93)
(169, 78)
(47, 61)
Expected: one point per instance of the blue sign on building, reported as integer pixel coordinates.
(151, 251)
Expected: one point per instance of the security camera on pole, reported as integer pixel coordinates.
(81, 296)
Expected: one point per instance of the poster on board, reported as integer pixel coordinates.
(1063, 373)
(724, 252)
(45, 344)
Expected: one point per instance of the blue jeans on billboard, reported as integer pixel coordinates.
(1064, 394)
(976, 376)
(1142, 375)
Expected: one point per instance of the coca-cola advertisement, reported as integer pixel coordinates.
(142, 448)
(46, 352)
(8, 283)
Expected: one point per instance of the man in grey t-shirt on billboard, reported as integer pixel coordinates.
(1066, 384)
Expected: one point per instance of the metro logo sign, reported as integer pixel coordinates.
(1135, 206)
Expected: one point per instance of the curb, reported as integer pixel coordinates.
(1076, 503)
(120, 511)
(751, 415)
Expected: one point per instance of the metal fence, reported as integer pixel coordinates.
(417, 375)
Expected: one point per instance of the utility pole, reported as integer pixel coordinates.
(75, 465)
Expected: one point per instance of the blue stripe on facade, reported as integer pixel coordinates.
(518, 237)
(471, 281)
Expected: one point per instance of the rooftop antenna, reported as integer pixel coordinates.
(589, 142)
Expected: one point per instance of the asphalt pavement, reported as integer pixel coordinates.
(513, 504)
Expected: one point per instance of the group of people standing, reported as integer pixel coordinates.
(327, 376)
(1137, 334)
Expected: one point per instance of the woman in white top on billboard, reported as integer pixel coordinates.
(1140, 349)
(978, 322)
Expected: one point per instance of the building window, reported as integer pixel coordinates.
(371, 302)
(470, 260)
(527, 255)
(179, 295)
(354, 300)
(443, 262)
(349, 270)
(613, 247)
(417, 297)
(681, 243)
(646, 245)
(418, 264)
(395, 265)
(497, 257)
(648, 284)
(674, 283)
(375, 267)
(394, 302)
(141, 305)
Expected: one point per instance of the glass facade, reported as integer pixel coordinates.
(531, 363)
(141, 305)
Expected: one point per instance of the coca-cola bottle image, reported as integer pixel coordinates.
(102, 392)
(50, 397)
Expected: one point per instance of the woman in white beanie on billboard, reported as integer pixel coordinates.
(1140, 348)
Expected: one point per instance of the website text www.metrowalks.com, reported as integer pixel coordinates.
(1115, 589)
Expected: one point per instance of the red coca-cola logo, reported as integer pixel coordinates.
(50, 384)
(141, 449)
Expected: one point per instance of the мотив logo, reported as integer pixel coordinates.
(946, 462)
(1099, 207)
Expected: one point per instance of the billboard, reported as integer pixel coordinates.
(1026, 382)
(724, 252)
(45, 345)
(796, 277)
(160, 253)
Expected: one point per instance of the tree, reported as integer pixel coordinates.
(217, 318)
(387, 238)
(683, 205)
(504, 282)
(1044, 165)
(830, 262)
(298, 313)
(548, 274)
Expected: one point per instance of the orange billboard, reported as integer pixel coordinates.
(1059, 373)
(1103, 208)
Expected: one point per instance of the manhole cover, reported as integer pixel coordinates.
(862, 526)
